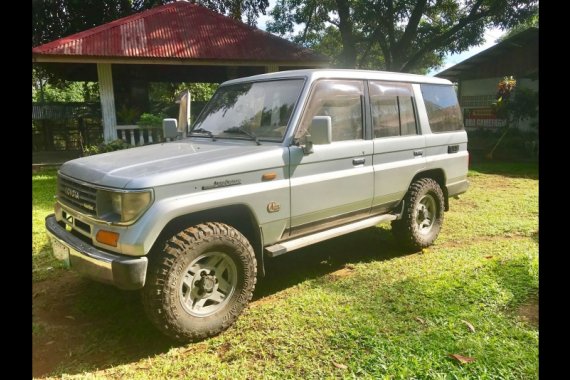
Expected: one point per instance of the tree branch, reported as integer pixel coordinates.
(390, 23)
(371, 40)
(335, 23)
(308, 23)
(442, 38)
(412, 27)
(348, 55)
(384, 47)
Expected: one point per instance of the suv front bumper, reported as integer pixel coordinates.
(124, 272)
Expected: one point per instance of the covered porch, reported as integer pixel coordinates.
(176, 42)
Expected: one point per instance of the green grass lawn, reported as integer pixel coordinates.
(354, 306)
(43, 191)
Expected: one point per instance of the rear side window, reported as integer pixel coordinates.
(393, 111)
(443, 111)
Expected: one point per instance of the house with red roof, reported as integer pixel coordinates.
(176, 42)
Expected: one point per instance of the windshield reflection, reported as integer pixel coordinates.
(255, 111)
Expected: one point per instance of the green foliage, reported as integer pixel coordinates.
(237, 9)
(44, 265)
(515, 103)
(112, 146)
(71, 92)
(163, 97)
(127, 115)
(531, 23)
(151, 120)
(168, 92)
(397, 35)
(523, 106)
(46, 88)
(201, 92)
(516, 146)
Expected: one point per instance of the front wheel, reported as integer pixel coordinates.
(201, 281)
(422, 216)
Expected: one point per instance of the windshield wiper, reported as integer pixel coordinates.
(245, 132)
(203, 131)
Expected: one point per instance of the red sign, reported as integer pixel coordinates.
(483, 118)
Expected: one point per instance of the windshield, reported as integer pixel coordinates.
(255, 110)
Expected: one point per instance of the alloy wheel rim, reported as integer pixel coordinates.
(426, 214)
(208, 284)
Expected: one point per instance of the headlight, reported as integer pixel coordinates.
(118, 207)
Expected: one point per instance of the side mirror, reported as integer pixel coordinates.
(170, 128)
(319, 133)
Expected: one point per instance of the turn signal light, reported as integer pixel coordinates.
(269, 176)
(107, 237)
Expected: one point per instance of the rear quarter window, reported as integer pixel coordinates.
(443, 110)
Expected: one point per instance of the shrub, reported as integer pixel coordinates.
(151, 120)
(112, 146)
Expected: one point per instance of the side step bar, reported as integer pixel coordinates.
(291, 245)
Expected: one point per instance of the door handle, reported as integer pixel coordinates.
(418, 153)
(452, 148)
(358, 161)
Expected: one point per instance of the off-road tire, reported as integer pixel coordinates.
(412, 231)
(170, 270)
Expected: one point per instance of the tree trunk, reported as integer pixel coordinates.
(348, 54)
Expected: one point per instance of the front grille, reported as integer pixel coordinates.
(77, 195)
(75, 224)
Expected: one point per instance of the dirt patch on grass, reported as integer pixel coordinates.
(263, 301)
(79, 325)
(60, 332)
(529, 311)
(341, 273)
(492, 181)
(465, 242)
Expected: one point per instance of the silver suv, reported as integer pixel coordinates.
(274, 162)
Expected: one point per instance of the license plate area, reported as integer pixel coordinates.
(60, 251)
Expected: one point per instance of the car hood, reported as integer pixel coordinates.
(173, 162)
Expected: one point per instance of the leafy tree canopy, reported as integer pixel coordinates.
(396, 35)
(530, 23)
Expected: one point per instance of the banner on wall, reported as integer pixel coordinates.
(482, 118)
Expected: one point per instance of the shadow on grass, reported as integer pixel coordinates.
(89, 326)
(506, 169)
(368, 245)
(112, 328)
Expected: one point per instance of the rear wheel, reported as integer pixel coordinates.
(201, 282)
(422, 217)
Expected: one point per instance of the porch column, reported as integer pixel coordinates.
(105, 76)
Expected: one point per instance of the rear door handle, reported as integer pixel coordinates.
(418, 153)
(358, 161)
(452, 148)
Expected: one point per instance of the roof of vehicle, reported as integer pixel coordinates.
(313, 74)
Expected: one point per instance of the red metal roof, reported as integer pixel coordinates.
(178, 30)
